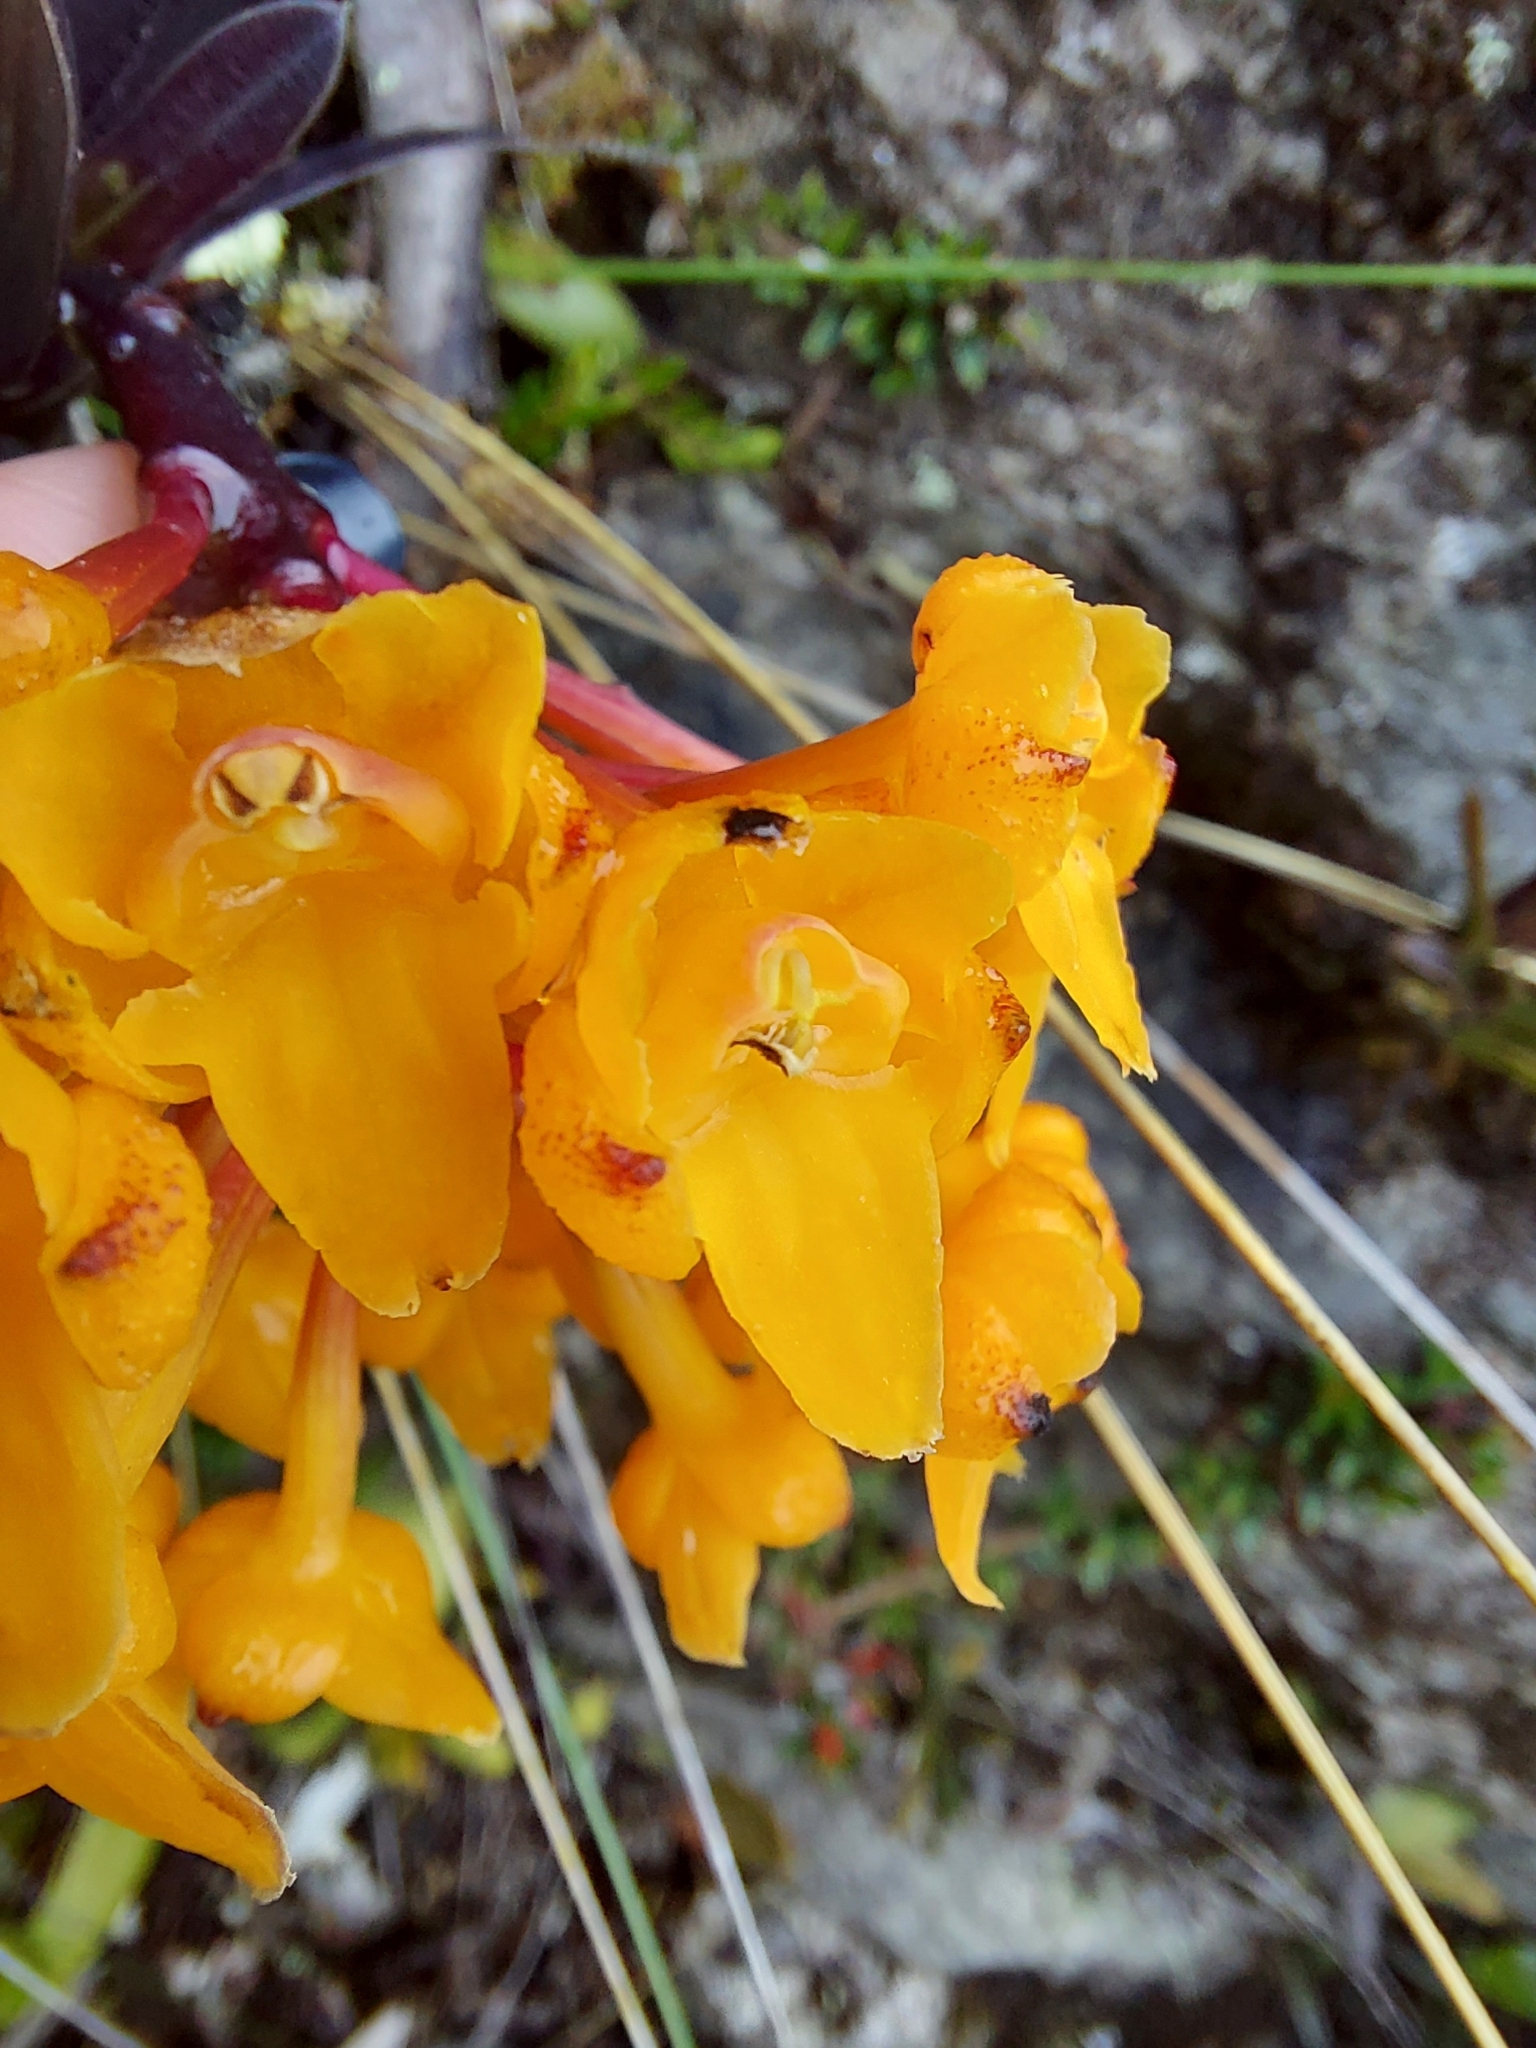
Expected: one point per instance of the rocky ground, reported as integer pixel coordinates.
(1077, 1825)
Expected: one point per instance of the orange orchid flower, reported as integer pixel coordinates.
(727, 1464)
(50, 628)
(485, 1353)
(777, 1021)
(104, 1245)
(287, 1598)
(283, 848)
(1036, 1287)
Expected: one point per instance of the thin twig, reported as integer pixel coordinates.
(472, 1484)
(1327, 877)
(1293, 1179)
(1177, 1531)
(498, 1679)
(572, 1433)
(1288, 1290)
(72, 2011)
(1344, 885)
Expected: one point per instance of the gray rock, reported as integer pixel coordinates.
(1428, 688)
(978, 1893)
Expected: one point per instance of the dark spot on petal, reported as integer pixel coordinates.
(443, 1282)
(304, 784)
(575, 839)
(1089, 1381)
(625, 1170)
(752, 823)
(1025, 1414)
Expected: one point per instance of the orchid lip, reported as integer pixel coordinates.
(305, 775)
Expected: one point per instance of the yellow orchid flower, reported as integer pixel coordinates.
(308, 824)
(129, 1756)
(777, 1020)
(727, 1464)
(1036, 1287)
(287, 1598)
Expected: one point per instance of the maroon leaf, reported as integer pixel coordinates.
(227, 111)
(37, 155)
(124, 48)
(315, 172)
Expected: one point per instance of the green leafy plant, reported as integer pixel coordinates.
(908, 331)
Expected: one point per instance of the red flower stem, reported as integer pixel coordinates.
(612, 722)
(134, 572)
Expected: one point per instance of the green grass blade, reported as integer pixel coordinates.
(814, 266)
(468, 1478)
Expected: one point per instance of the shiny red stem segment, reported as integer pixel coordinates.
(134, 572)
(268, 538)
(613, 723)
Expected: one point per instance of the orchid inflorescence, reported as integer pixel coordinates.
(353, 1015)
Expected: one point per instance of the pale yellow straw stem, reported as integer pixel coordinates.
(1176, 1530)
(1288, 1290)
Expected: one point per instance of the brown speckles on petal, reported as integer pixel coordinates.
(132, 1232)
(1066, 770)
(1010, 1021)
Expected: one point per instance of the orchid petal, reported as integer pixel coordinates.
(89, 777)
(600, 1173)
(125, 1265)
(132, 1760)
(958, 1492)
(61, 1510)
(355, 1056)
(451, 683)
(817, 1203)
(1074, 924)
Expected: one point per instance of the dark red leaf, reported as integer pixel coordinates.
(228, 111)
(317, 171)
(37, 155)
(124, 48)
